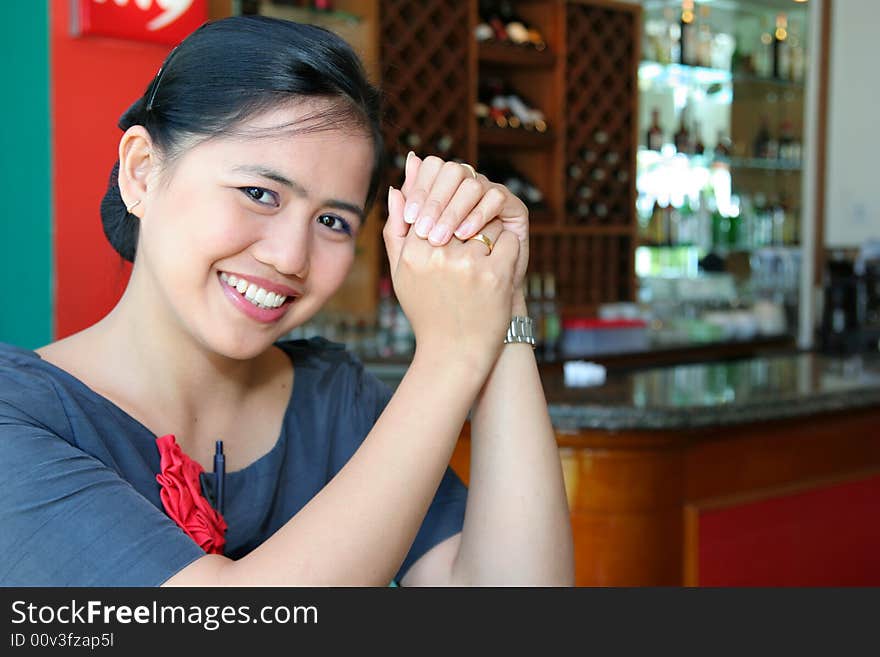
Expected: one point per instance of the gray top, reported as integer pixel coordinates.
(79, 501)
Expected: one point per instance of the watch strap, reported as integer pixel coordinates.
(521, 330)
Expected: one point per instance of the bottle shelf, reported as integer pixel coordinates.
(650, 158)
(760, 163)
(682, 74)
(745, 78)
(723, 250)
(493, 52)
(517, 137)
(609, 230)
(687, 75)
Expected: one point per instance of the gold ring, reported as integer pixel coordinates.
(485, 240)
(470, 170)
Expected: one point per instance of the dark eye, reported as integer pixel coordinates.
(260, 195)
(335, 223)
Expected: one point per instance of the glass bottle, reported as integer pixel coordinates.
(552, 321)
(654, 137)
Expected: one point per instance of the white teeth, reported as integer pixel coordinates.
(257, 295)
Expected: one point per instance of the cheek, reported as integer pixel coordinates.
(210, 228)
(332, 265)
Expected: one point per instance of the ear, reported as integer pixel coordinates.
(136, 162)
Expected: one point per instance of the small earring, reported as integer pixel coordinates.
(132, 206)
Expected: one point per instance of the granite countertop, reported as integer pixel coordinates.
(708, 394)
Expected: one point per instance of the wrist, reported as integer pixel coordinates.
(519, 306)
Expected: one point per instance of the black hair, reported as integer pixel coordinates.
(231, 69)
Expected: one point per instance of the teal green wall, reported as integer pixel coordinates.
(25, 175)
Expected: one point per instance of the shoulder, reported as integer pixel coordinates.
(326, 368)
(317, 353)
(27, 387)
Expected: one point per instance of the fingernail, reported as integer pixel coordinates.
(390, 189)
(423, 226)
(410, 212)
(464, 230)
(408, 156)
(439, 235)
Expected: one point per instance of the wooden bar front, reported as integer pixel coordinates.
(633, 494)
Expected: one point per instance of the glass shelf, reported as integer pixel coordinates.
(682, 75)
(760, 163)
(741, 78)
(690, 76)
(650, 159)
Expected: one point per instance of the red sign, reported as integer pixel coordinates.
(159, 21)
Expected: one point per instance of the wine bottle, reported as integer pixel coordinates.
(781, 59)
(654, 137)
(443, 145)
(518, 30)
(687, 35)
(534, 303)
(722, 146)
(682, 138)
(552, 319)
(699, 147)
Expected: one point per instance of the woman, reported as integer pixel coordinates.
(241, 185)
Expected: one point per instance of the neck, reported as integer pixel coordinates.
(168, 365)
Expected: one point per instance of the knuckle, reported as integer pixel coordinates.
(495, 195)
(432, 161)
(471, 186)
(452, 167)
(490, 278)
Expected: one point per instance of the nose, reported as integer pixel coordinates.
(286, 245)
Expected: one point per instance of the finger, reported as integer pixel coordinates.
(452, 179)
(396, 229)
(488, 208)
(491, 231)
(506, 249)
(418, 192)
(410, 170)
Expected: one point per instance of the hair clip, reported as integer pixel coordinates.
(159, 79)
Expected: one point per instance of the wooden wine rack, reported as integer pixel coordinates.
(429, 66)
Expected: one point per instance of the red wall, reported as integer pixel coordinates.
(94, 80)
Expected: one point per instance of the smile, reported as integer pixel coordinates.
(257, 295)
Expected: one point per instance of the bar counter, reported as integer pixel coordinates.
(763, 471)
(715, 394)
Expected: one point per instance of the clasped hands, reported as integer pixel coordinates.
(457, 294)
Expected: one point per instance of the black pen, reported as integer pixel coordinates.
(219, 475)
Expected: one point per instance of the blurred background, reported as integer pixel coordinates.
(705, 250)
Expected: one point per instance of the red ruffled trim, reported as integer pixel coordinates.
(181, 495)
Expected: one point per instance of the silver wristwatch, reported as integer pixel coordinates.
(521, 329)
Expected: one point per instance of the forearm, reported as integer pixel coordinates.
(517, 526)
(359, 527)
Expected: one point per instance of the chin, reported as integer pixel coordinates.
(244, 348)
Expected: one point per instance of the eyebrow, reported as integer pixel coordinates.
(298, 189)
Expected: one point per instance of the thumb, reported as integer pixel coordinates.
(396, 228)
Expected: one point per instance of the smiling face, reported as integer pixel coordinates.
(246, 237)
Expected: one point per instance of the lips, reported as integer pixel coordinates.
(263, 304)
